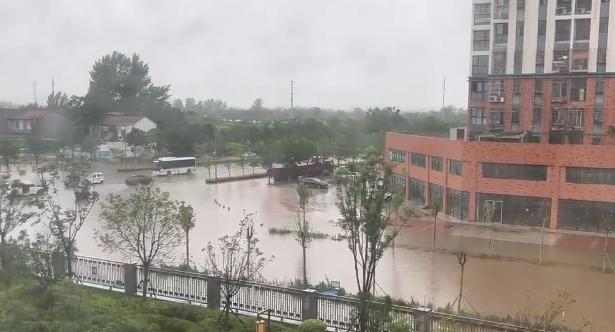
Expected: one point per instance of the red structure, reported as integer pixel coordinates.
(516, 179)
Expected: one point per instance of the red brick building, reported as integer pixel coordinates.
(577, 181)
(541, 101)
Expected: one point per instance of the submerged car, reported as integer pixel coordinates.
(134, 180)
(96, 178)
(314, 183)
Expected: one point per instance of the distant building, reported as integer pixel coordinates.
(39, 123)
(113, 127)
(112, 130)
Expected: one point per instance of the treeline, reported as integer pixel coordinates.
(122, 83)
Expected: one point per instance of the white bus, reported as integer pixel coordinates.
(174, 166)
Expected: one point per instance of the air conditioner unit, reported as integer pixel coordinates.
(496, 99)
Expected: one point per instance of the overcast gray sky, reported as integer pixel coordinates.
(340, 53)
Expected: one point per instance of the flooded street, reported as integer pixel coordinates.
(500, 287)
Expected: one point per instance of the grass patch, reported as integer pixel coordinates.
(236, 178)
(288, 231)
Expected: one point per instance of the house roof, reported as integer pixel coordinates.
(29, 114)
(119, 120)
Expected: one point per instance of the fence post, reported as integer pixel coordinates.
(213, 292)
(310, 304)
(423, 319)
(130, 278)
(58, 264)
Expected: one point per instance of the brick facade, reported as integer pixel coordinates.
(472, 154)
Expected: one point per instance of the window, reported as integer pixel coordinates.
(436, 193)
(602, 55)
(478, 116)
(537, 120)
(540, 57)
(559, 89)
(561, 60)
(584, 7)
(514, 172)
(436, 163)
(600, 85)
(562, 31)
(582, 28)
(398, 156)
(515, 115)
(580, 60)
(563, 7)
(520, 28)
(604, 25)
(496, 118)
(455, 167)
(598, 115)
(542, 27)
(480, 64)
(499, 63)
(576, 118)
(516, 85)
(482, 14)
(605, 176)
(480, 40)
(457, 204)
(417, 159)
(501, 9)
(518, 61)
(578, 89)
(398, 184)
(501, 33)
(538, 83)
(479, 90)
(417, 191)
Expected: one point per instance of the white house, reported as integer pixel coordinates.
(113, 127)
(112, 130)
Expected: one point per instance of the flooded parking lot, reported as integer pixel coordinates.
(492, 286)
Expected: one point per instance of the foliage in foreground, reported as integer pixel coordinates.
(68, 307)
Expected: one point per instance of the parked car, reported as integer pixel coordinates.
(96, 178)
(27, 188)
(387, 196)
(134, 180)
(314, 183)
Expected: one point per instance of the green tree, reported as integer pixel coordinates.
(178, 103)
(228, 166)
(57, 101)
(302, 226)
(296, 151)
(13, 214)
(64, 223)
(145, 224)
(9, 152)
(187, 220)
(37, 148)
(366, 215)
(137, 137)
(90, 144)
(254, 162)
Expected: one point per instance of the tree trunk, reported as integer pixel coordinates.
(145, 280)
(460, 290)
(4, 268)
(434, 232)
(187, 249)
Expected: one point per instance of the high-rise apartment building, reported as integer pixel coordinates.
(541, 120)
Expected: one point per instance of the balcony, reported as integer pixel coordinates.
(561, 61)
(567, 120)
(496, 121)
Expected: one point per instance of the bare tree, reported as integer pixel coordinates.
(435, 209)
(302, 231)
(64, 223)
(489, 216)
(235, 260)
(228, 166)
(12, 216)
(462, 259)
(367, 210)
(145, 224)
(545, 213)
(187, 220)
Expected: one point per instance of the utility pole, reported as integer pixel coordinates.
(34, 92)
(53, 87)
(292, 99)
(443, 97)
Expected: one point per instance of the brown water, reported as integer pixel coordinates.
(491, 286)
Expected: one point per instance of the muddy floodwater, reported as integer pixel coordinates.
(492, 286)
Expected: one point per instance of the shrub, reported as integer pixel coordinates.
(313, 325)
